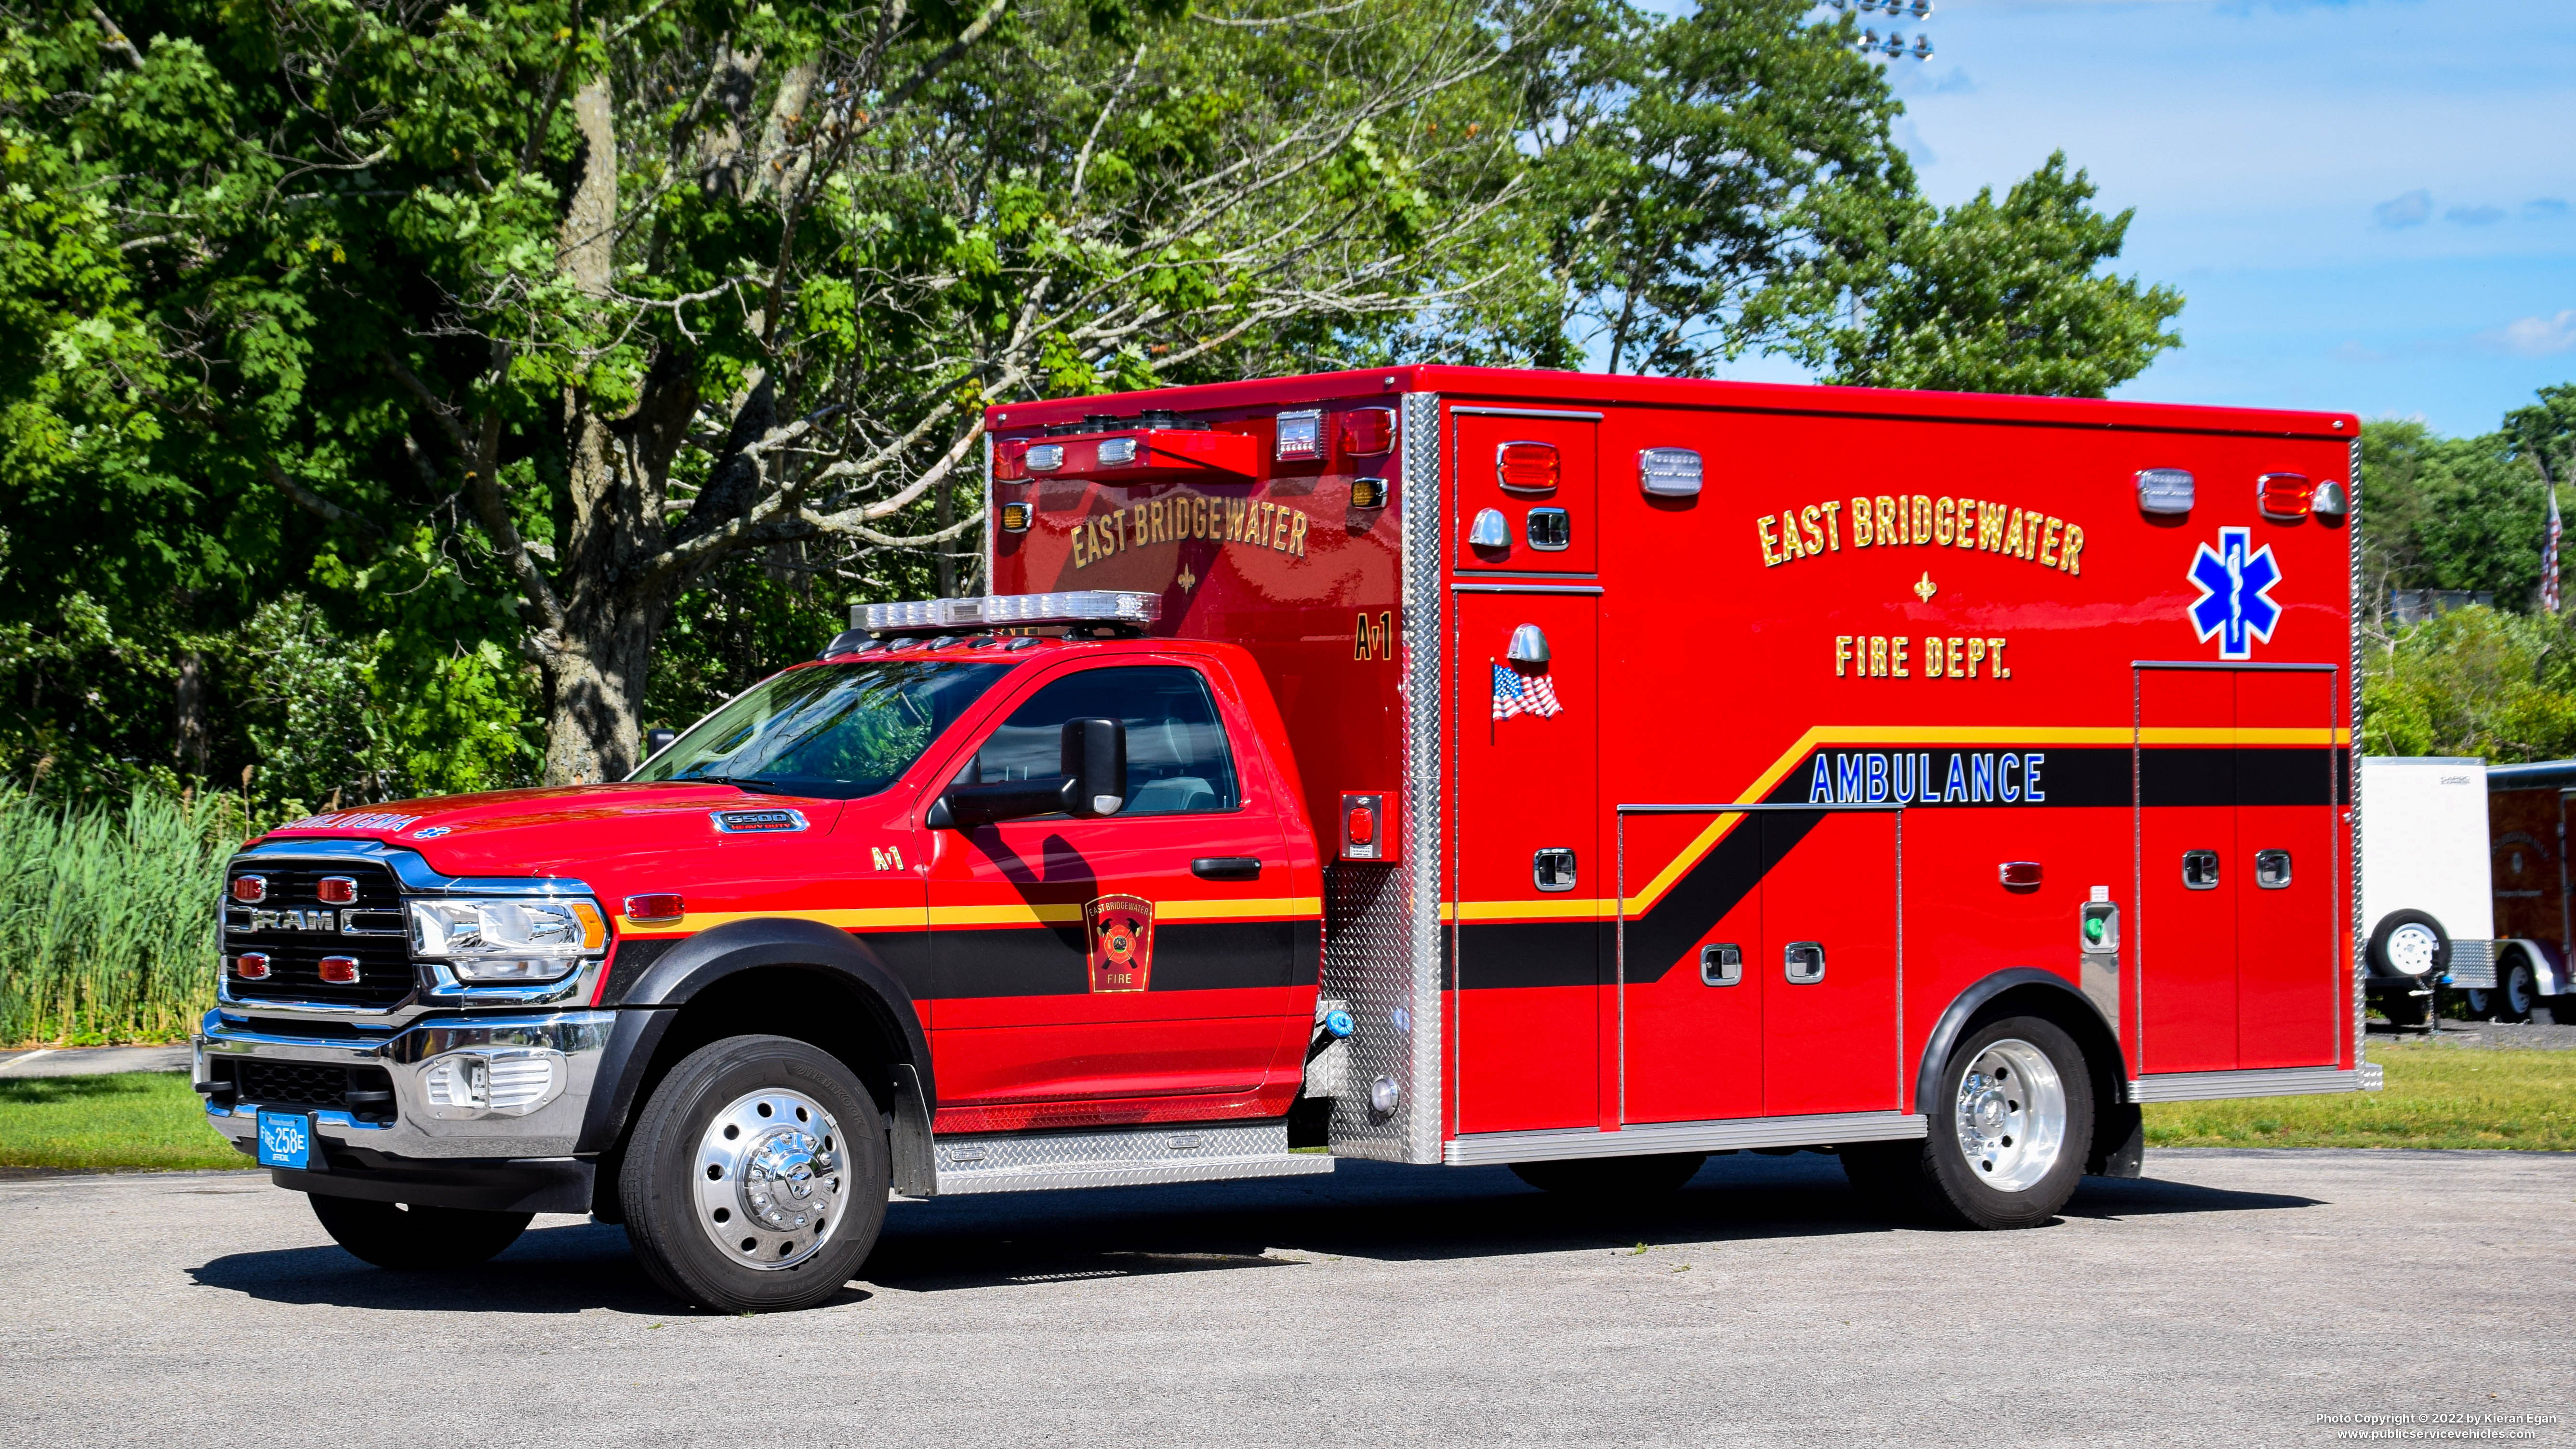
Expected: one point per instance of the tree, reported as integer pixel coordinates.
(543, 312)
(1690, 172)
(1988, 297)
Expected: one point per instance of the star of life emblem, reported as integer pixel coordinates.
(2235, 606)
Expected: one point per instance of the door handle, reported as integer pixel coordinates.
(1227, 867)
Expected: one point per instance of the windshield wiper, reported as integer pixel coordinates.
(739, 782)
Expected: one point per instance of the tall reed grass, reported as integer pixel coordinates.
(108, 915)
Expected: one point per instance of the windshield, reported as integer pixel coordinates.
(834, 731)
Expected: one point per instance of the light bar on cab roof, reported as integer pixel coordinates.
(1010, 611)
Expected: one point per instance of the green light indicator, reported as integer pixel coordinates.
(2093, 928)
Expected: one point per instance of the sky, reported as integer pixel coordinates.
(2370, 206)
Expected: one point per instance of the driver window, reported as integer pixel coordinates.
(1177, 761)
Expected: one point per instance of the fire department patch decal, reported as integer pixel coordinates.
(2235, 606)
(1122, 943)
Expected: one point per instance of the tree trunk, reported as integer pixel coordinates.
(595, 695)
(195, 738)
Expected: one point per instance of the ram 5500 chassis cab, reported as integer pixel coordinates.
(1437, 765)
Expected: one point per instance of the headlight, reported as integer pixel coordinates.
(485, 939)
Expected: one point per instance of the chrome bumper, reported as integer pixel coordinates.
(427, 1121)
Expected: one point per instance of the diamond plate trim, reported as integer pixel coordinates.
(2473, 963)
(2354, 804)
(2265, 1082)
(1043, 1161)
(1727, 1135)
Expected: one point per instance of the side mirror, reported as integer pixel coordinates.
(1092, 782)
(1095, 762)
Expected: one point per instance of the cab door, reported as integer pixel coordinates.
(1135, 967)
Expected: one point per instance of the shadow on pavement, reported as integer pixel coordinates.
(1363, 1210)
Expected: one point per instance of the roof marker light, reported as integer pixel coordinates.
(1669, 472)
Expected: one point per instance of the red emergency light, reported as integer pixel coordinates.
(250, 890)
(337, 890)
(340, 970)
(251, 966)
(1010, 460)
(1526, 467)
(1368, 832)
(2285, 495)
(1367, 432)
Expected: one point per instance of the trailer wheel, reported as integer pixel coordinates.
(2408, 945)
(402, 1237)
(2516, 991)
(2008, 1135)
(756, 1178)
(1652, 1175)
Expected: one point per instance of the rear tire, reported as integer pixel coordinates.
(2010, 1133)
(416, 1239)
(1604, 1178)
(2517, 991)
(756, 1177)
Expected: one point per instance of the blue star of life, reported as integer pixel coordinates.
(2235, 605)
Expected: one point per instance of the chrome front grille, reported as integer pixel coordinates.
(296, 930)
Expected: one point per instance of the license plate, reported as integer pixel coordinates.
(285, 1140)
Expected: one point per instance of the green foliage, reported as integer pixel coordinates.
(2473, 682)
(107, 915)
(123, 1122)
(2449, 513)
(1988, 297)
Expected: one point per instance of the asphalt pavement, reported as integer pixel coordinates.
(2230, 1298)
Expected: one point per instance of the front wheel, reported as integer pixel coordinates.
(399, 1236)
(2008, 1135)
(756, 1177)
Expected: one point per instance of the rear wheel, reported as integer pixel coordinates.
(2008, 1134)
(400, 1236)
(756, 1177)
(2516, 991)
(1613, 1177)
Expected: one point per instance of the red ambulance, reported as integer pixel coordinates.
(1432, 765)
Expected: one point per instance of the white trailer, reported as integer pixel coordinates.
(2427, 906)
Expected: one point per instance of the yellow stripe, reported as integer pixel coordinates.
(1013, 913)
(1553, 908)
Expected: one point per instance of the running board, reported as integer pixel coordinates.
(1135, 1157)
(2260, 1082)
(1822, 1130)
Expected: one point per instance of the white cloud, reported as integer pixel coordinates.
(2474, 215)
(2546, 208)
(2412, 209)
(2535, 336)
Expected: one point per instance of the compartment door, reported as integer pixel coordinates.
(1690, 979)
(2188, 867)
(1533, 469)
(1829, 899)
(2288, 972)
(1529, 962)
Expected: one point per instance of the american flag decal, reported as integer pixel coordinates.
(2549, 559)
(1518, 693)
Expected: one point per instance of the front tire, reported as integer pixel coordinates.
(2008, 1135)
(756, 1178)
(416, 1239)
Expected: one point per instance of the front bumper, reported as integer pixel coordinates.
(426, 1061)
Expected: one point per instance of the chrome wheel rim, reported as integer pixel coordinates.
(2411, 949)
(2011, 1115)
(769, 1180)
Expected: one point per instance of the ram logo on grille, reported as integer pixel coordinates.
(295, 920)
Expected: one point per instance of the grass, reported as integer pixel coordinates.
(2436, 1096)
(107, 915)
(131, 1120)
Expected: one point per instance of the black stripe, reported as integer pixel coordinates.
(1054, 960)
(2070, 776)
